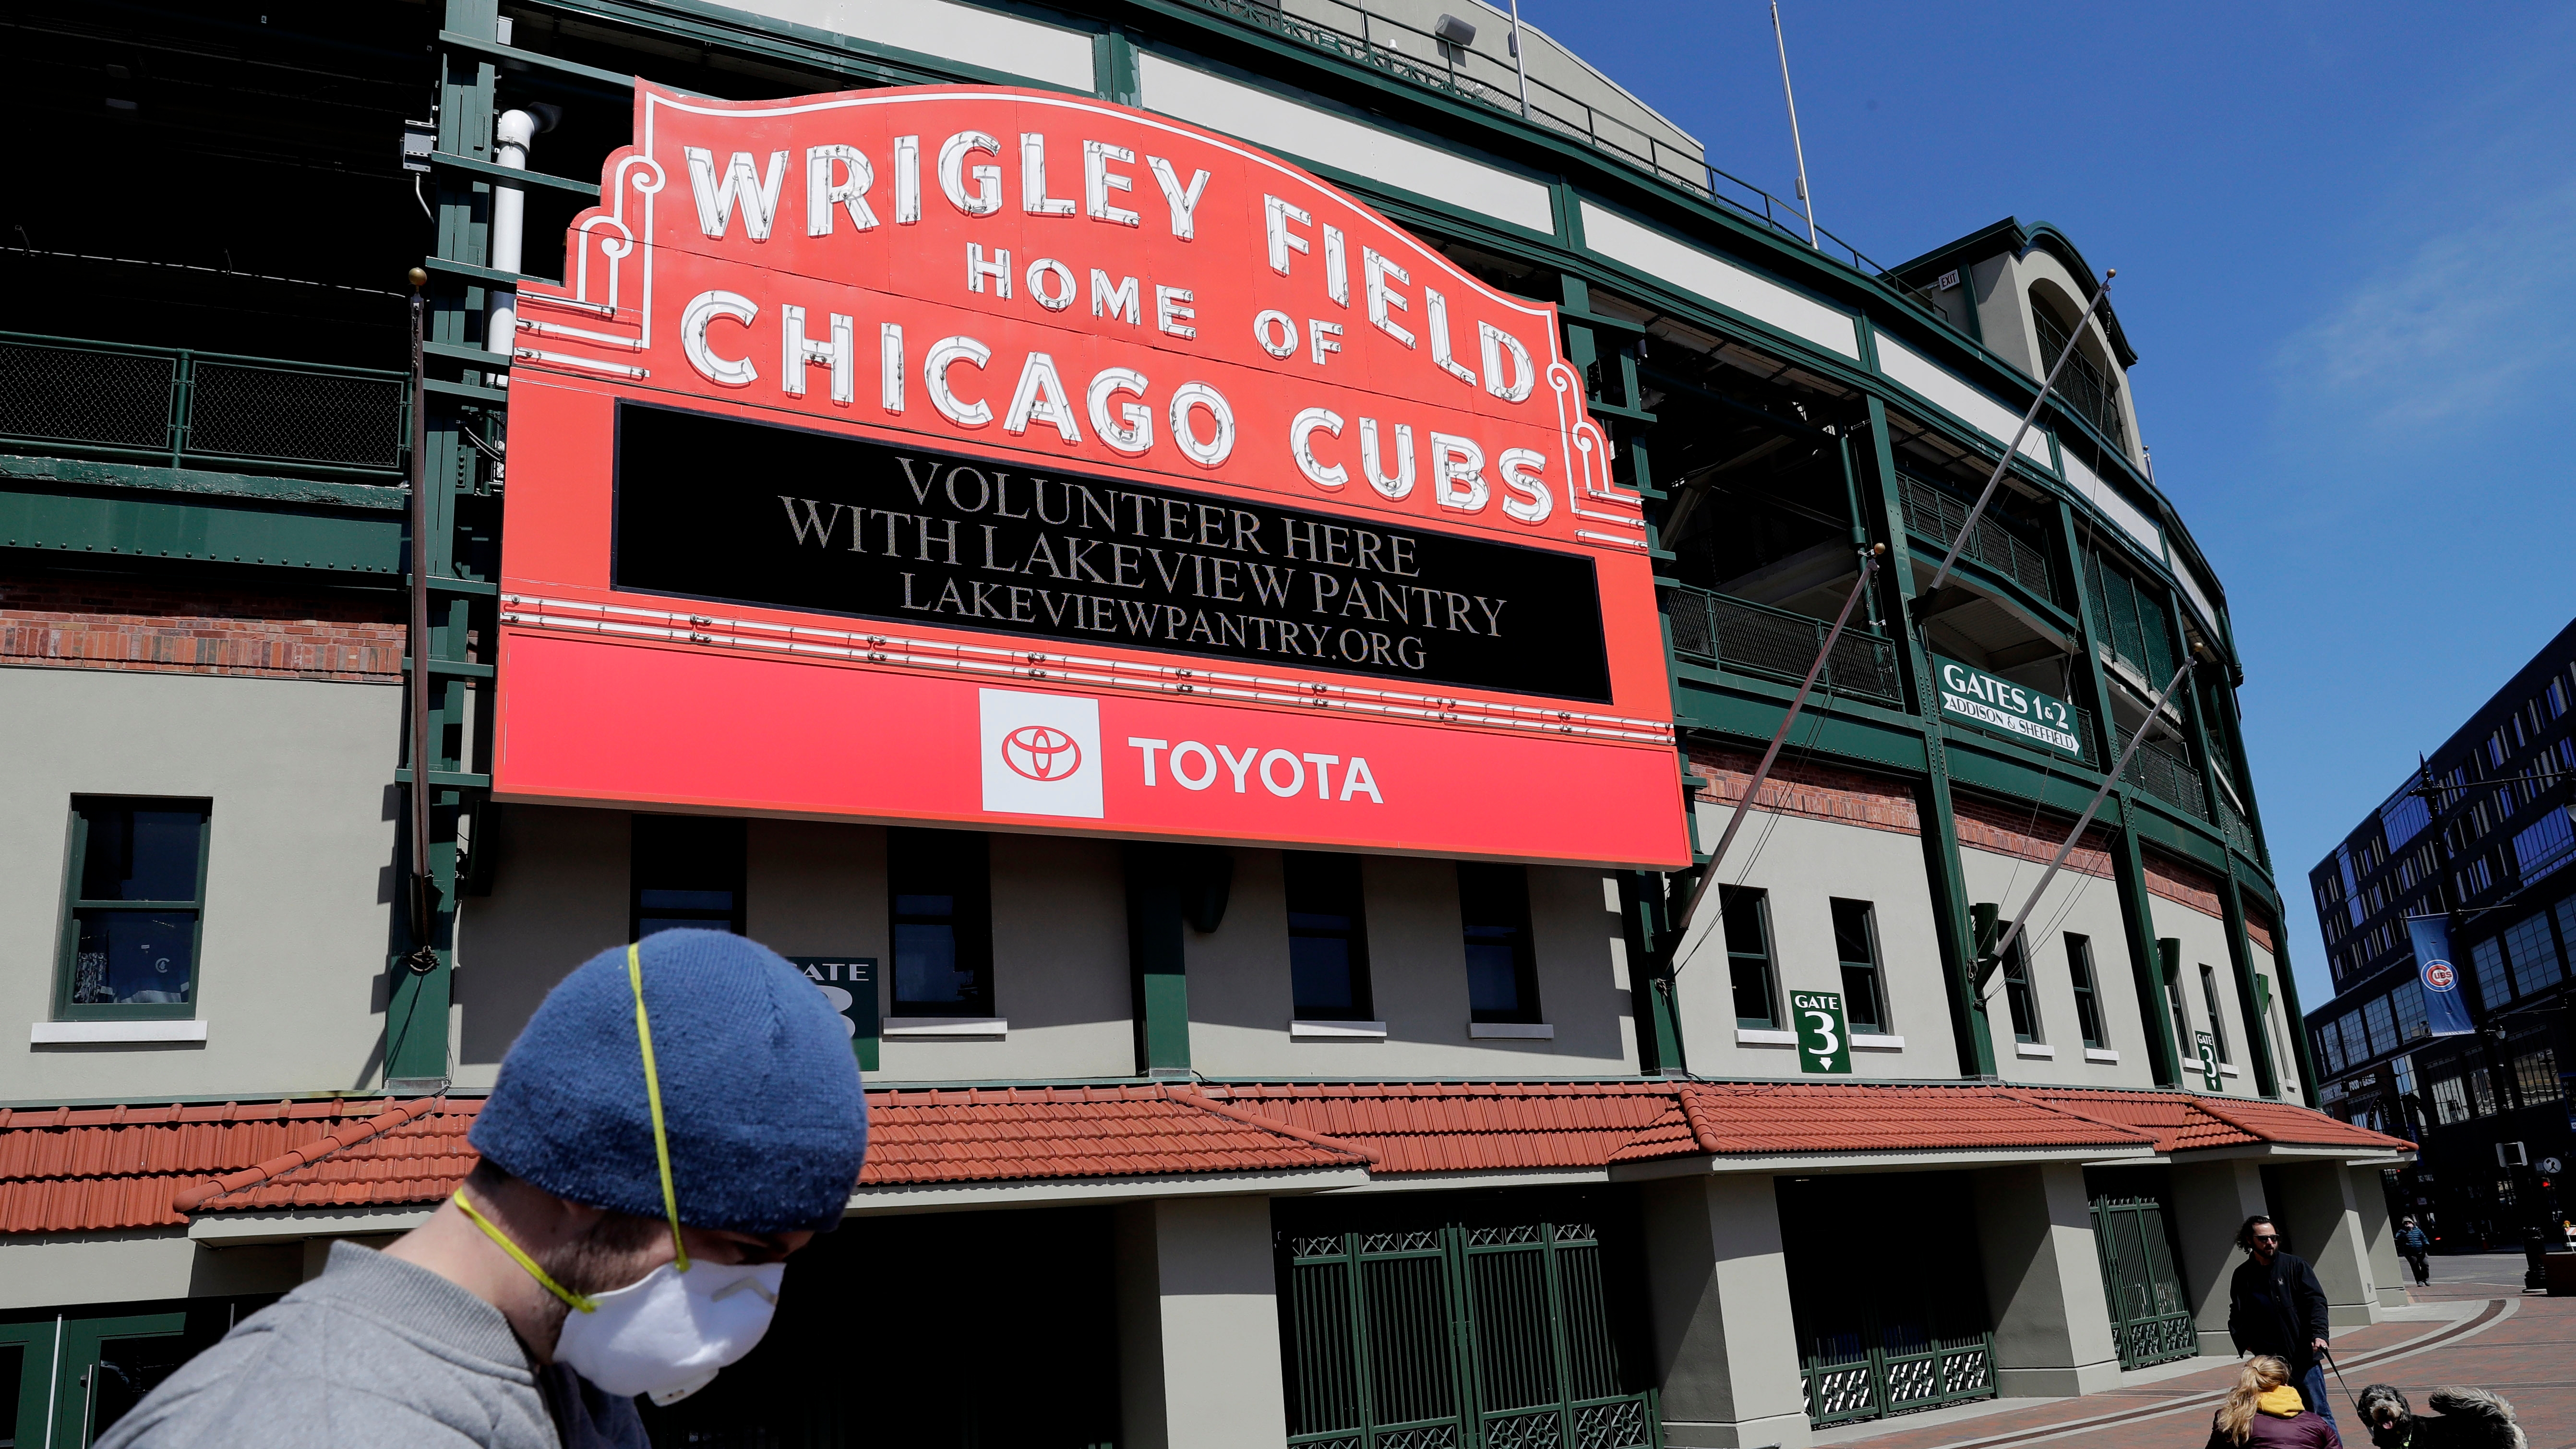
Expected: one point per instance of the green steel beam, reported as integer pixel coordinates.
(2240, 954)
(236, 531)
(1971, 1032)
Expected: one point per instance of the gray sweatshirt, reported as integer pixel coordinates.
(376, 1353)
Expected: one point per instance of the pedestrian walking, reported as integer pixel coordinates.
(2264, 1409)
(2275, 1306)
(2412, 1242)
(677, 1118)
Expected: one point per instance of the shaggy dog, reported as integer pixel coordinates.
(2462, 1419)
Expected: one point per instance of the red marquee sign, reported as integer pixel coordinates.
(999, 458)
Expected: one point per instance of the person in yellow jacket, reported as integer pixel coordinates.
(2263, 1409)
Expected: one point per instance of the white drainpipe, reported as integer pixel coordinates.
(510, 137)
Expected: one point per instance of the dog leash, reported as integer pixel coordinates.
(2329, 1357)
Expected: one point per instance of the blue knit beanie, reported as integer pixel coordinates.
(760, 1093)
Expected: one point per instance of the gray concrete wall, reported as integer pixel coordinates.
(291, 957)
(2076, 904)
(1198, 1325)
(2044, 1282)
(1717, 1287)
(2204, 943)
(2322, 1219)
(1241, 998)
(558, 898)
(2379, 1236)
(58, 1270)
(1804, 864)
(2211, 1200)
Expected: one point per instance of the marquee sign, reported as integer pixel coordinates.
(1000, 458)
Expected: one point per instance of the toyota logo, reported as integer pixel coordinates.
(1041, 753)
(2438, 976)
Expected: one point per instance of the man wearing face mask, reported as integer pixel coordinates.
(677, 1118)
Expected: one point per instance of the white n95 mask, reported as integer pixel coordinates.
(667, 1333)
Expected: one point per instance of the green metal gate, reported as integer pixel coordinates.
(2150, 1319)
(1890, 1305)
(1456, 1336)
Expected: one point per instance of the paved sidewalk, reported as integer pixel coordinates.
(2472, 1325)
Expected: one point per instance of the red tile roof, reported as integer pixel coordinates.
(1467, 1126)
(1852, 1117)
(984, 1134)
(73, 1169)
(67, 1169)
(2184, 1122)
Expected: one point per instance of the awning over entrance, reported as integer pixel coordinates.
(86, 1169)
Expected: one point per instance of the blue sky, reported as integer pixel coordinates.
(2346, 238)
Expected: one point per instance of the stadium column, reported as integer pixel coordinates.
(1717, 1293)
(1645, 909)
(1198, 1324)
(2128, 866)
(420, 993)
(1940, 825)
(1159, 891)
(2240, 952)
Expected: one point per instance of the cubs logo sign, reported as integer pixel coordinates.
(853, 412)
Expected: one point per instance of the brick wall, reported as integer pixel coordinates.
(1813, 792)
(146, 625)
(2259, 930)
(2014, 830)
(2182, 884)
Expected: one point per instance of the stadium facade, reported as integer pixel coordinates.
(2477, 836)
(1291, 533)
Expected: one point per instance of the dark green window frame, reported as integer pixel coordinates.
(2217, 1021)
(2088, 1004)
(1494, 914)
(939, 899)
(1328, 955)
(1864, 985)
(2019, 998)
(1750, 962)
(67, 953)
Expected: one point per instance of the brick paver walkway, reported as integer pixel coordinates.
(2521, 1345)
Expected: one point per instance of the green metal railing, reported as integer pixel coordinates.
(1730, 633)
(200, 409)
(2239, 832)
(2082, 385)
(1936, 517)
(1461, 1336)
(2169, 775)
(1869, 1378)
(2151, 1320)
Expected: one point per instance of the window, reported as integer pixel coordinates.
(2481, 1092)
(2475, 878)
(2486, 958)
(2088, 1003)
(1856, 944)
(687, 872)
(2018, 996)
(2412, 1024)
(1748, 955)
(2450, 1101)
(2186, 1049)
(2536, 1074)
(2383, 1025)
(2330, 1046)
(1327, 937)
(136, 896)
(1502, 967)
(2534, 955)
(2544, 846)
(2217, 1021)
(941, 886)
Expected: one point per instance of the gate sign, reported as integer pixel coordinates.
(850, 984)
(1824, 1046)
(2446, 1011)
(2209, 1073)
(991, 457)
(1999, 704)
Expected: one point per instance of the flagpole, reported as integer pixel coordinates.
(1796, 142)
